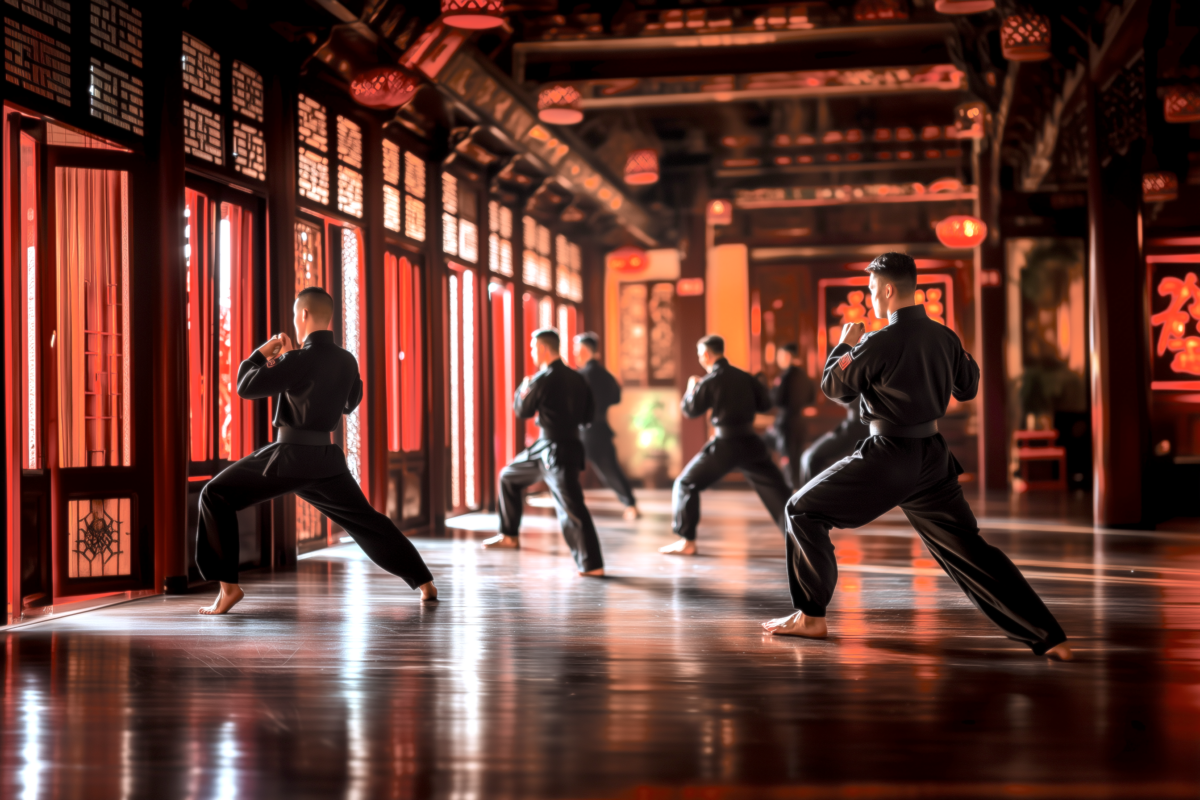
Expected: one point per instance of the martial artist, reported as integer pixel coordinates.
(563, 402)
(832, 447)
(598, 436)
(792, 393)
(903, 376)
(734, 397)
(313, 386)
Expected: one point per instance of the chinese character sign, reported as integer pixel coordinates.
(1176, 353)
(843, 300)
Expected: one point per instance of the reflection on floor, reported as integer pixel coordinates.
(530, 682)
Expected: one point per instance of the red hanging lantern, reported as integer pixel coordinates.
(641, 168)
(1160, 187)
(961, 231)
(970, 119)
(384, 87)
(720, 212)
(880, 10)
(964, 6)
(1182, 103)
(627, 259)
(473, 15)
(1025, 36)
(559, 105)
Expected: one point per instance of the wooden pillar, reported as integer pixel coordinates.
(692, 322)
(164, 90)
(375, 344)
(1120, 427)
(435, 331)
(990, 310)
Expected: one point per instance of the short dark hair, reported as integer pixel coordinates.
(713, 344)
(896, 268)
(548, 337)
(589, 340)
(792, 348)
(318, 301)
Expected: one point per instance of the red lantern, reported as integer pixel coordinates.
(474, 15)
(969, 120)
(964, 6)
(1025, 36)
(641, 168)
(384, 87)
(627, 259)
(880, 10)
(1182, 104)
(559, 105)
(961, 231)
(1160, 187)
(720, 212)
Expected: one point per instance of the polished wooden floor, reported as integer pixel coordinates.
(656, 682)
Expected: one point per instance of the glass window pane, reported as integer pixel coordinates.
(414, 219)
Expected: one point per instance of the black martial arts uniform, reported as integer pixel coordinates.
(598, 436)
(903, 376)
(832, 447)
(734, 397)
(792, 392)
(562, 401)
(313, 387)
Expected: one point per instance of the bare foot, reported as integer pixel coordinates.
(227, 598)
(593, 573)
(680, 547)
(798, 625)
(500, 541)
(1060, 652)
(631, 513)
(428, 592)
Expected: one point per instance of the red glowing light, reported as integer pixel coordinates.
(559, 105)
(473, 15)
(964, 6)
(641, 168)
(1174, 320)
(1182, 104)
(627, 259)
(1160, 187)
(1025, 36)
(720, 212)
(689, 287)
(384, 87)
(961, 231)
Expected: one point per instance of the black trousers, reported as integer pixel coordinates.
(328, 485)
(559, 465)
(829, 449)
(719, 457)
(920, 476)
(603, 456)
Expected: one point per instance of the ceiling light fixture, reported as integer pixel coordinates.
(473, 15)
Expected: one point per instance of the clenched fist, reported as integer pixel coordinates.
(852, 332)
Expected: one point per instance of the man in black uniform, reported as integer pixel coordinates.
(831, 448)
(562, 401)
(598, 436)
(792, 392)
(903, 376)
(313, 387)
(734, 397)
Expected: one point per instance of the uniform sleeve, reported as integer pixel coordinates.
(697, 401)
(614, 390)
(525, 403)
(966, 377)
(762, 398)
(847, 371)
(258, 377)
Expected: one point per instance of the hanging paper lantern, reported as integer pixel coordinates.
(961, 231)
(384, 87)
(627, 259)
(880, 10)
(720, 212)
(474, 15)
(1025, 36)
(1182, 103)
(641, 168)
(559, 105)
(970, 119)
(1160, 187)
(964, 6)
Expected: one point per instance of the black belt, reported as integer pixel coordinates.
(924, 430)
(311, 438)
(727, 431)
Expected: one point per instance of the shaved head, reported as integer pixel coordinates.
(318, 303)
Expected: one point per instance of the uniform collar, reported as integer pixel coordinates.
(907, 313)
(318, 337)
(722, 362)
(558, 362)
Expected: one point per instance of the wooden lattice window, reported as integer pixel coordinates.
(500, 227)
(569, 274)
(460, 219)
(222, 128)
(403, 192)
(329, 158)
(535, 262)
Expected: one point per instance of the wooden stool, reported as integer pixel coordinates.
(1039, 446)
